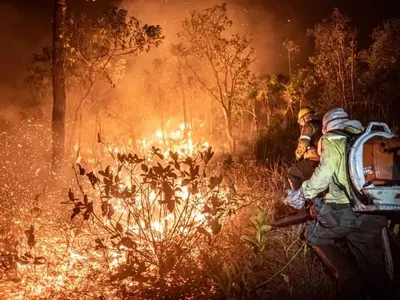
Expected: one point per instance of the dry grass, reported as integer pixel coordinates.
(303, 278)
(228, 268)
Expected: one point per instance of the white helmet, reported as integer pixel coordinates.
(332, 118)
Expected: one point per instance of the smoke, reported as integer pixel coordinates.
(249, 17)
(26, 30)
(21, 34)
(140, 112)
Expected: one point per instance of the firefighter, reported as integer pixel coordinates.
(336, 220)
(306, 153)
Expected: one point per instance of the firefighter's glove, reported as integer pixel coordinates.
(301, 149)
(295, 199)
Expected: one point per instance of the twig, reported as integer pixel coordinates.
(287, 264)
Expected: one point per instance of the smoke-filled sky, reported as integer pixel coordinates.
(25, 27)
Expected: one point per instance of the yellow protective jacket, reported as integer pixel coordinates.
(308, 141)
(331, 173)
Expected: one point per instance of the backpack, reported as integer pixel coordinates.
(373, 169)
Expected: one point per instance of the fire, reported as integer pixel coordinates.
(159, 134)
(179, 141)
(83, 255)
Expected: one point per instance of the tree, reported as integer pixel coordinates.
(227, 59)
(59, 95)
(95, 57)
(259, 105)
(291, 48)
(39, 78)
(295, 90)
(93, 44)
(380, 77)
(334, 60)
(160, 102)
(178, 51)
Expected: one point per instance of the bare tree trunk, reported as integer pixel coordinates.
(285, 121)
(268, 111)
(255, 122)
(229, 133)
(161, 108)
(183, 102)
(190, 113)
(59, 95)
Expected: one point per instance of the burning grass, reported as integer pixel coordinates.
(154, 225)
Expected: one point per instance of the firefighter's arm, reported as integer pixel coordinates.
(304, 141)
(323, 174)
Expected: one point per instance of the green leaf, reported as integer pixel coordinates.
(249, 239)
(260, 235)
(215, 226)
(215, 201)
(185, 182)
(92, 178)
(266, 228)
(261, 217)
(168, 191)
(75, 212)
(141, 268)
(71, 195)
(108, 171)
(99, 243)
(144, 168)
(254, 220)
(39, 260)
(204, 231)
(214, 181)
(171, 205)
(158, 169)
(81, 170)
(128, 243)
(285, 278)
(21, 260)
(119, 227)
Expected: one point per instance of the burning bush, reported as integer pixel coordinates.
(149, 216)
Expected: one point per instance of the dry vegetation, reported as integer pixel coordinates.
(130, 216)
(58, 259)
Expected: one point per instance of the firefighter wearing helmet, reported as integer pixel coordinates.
(336, 220)
(307, 147)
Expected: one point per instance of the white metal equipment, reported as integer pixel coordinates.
(366, 195)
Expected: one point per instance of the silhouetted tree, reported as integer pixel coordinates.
(59, 95)
(292, 48)
(381, 77)
(334, 60)
(227, 60)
